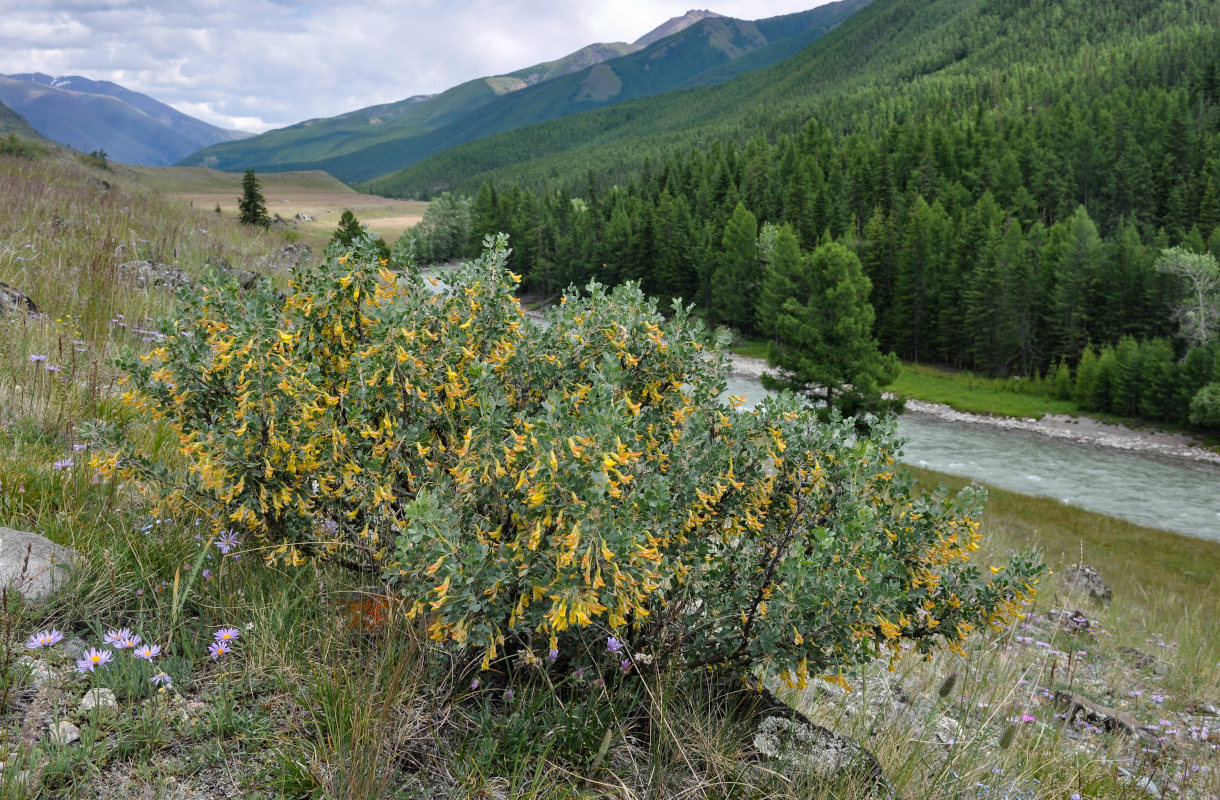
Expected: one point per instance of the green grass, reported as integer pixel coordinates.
(966, 392)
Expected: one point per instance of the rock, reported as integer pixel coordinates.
(801, 745)
(1138, 658)
(148, 274)
(286, 258)
(64, 733)
(246, 279)
(32, 564)
(301, 216)
(1083, 578)
(15, 301)
(41, 674)
(946, 730)
(1147, 786)
(98, 698)
(1204, 709)
(1107, 719)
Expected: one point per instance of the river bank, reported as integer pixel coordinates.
(1077, 429)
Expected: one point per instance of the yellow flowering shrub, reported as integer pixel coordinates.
(538, 490)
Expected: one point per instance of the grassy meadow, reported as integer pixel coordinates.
(315, 194)
(322, 691)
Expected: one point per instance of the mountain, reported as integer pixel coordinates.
(683, 51)
(12, 122)
(892, 61)
(317, 140)
(90, 115)
(672, 26)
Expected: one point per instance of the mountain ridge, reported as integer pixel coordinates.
(352, 150)
(90, 115)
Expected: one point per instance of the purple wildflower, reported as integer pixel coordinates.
(207, 574)
(1027, 718)
(218, 649)
(93, 658)
(552, 654)
(474, 684)
(63, 464)
(613, 645)
(227, 541)
(116, 635)
(36, 359)
(625, 665)
(44, 639)
(148, 652)
(161, 679)
(51, 368)
(226, 634)
(127, 642)
(76, 448)
(508, 694)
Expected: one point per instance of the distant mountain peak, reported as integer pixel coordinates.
(674, 25)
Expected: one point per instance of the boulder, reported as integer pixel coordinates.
(98, 698)
(15, 301)
(147, 274)
(1086, 579)
(64, 733)
(32, 564)
(246, 279)
(785, 735)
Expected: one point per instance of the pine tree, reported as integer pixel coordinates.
(734, 283)
(349, 229)
(826, 350)
(781, 277)
(251, 207)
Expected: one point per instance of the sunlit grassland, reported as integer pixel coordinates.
(313, 193)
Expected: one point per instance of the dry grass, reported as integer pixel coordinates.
(313, 193)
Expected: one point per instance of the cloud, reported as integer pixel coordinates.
(259, 64)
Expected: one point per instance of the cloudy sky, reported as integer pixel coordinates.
(261, 64)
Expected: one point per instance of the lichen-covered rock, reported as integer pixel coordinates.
(147, 274)
(13, 301)
(31, 564)
(1086, 579)
(98, 698)
(801, 745)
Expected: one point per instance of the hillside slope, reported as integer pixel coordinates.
(363, 145)
(12, 122)
(890, 60)
(99, 115)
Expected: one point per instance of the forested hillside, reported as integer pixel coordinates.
(371, 142)
(1009, 174)
(893, 62)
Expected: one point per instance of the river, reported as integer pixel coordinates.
(1167, 493)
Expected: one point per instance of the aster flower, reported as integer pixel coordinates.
(63, 464)
(226, 634)
(227, 541)
(93, 658)
(44, 639)
(161, 679)
(218, 649)
(127, 642)
(37, 358)
(148, 652)
(119, 635)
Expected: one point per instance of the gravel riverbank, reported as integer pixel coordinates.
(1082, 430)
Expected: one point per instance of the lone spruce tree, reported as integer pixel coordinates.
(252, 208)
(824, 347)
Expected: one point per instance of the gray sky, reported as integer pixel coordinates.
(261, 64)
